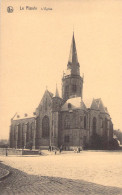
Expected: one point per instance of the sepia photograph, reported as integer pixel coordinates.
(61, 97)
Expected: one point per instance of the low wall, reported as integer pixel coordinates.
(71, 148)
(30, 152)
(13, 151)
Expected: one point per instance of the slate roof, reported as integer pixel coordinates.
(25, 115)
(78, 103)
(50, 93)
(75, 102)
(88, 102)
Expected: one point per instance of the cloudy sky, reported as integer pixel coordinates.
(35, 47)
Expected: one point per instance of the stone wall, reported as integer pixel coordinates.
(74, 128)
(13, 151)
(67, 86)
(44, 113)
(22, 133)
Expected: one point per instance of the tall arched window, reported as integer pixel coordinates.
(94, 125)
(67, 122)
(32, 130)
(23, 133)
(84, 122)
(67, 90)
(28, 133)
(46, 104)
(19, 136)
(105, 127)
(15, 132)
(74, 88)
(45, 127)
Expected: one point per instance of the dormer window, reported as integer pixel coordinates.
(69, 105)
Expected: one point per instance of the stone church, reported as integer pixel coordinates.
(68, 121)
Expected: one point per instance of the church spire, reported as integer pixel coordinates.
(73, 64)
(73, 52)
(72, 82)
(56, 92)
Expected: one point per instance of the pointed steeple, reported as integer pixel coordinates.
(73, 65)
(73, 52)
(56, 92)
(72, 82)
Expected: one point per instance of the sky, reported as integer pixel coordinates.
(35, 46)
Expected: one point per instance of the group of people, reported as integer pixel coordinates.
(55, 149)
(77, 150)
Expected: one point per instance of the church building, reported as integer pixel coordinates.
(68, 121)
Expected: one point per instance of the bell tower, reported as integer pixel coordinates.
(72, 82)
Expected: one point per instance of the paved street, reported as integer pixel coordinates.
(85, 173)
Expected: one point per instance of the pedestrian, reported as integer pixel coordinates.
(55, 151)
(79, 149)
(40, 152)
(49, 148)
(60, 149)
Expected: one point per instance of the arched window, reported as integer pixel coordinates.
(67, 122)
(32, 129)
(105, 127)
(15, 132)
(69, 105)
(74, 88)
(45, 127)
(19, 136)
(46, 104)
(84, 122)
(66, 138)
(67, 90)
(81, 121)
(23, 133)
(94, 125)
(28, 133)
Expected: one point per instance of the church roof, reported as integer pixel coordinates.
(96, 104)
(100, 104)
(88, 102)
(74, 103)
(50, 93)
(106, 110)
(26, 115)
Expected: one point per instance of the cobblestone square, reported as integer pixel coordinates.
(88, 172)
